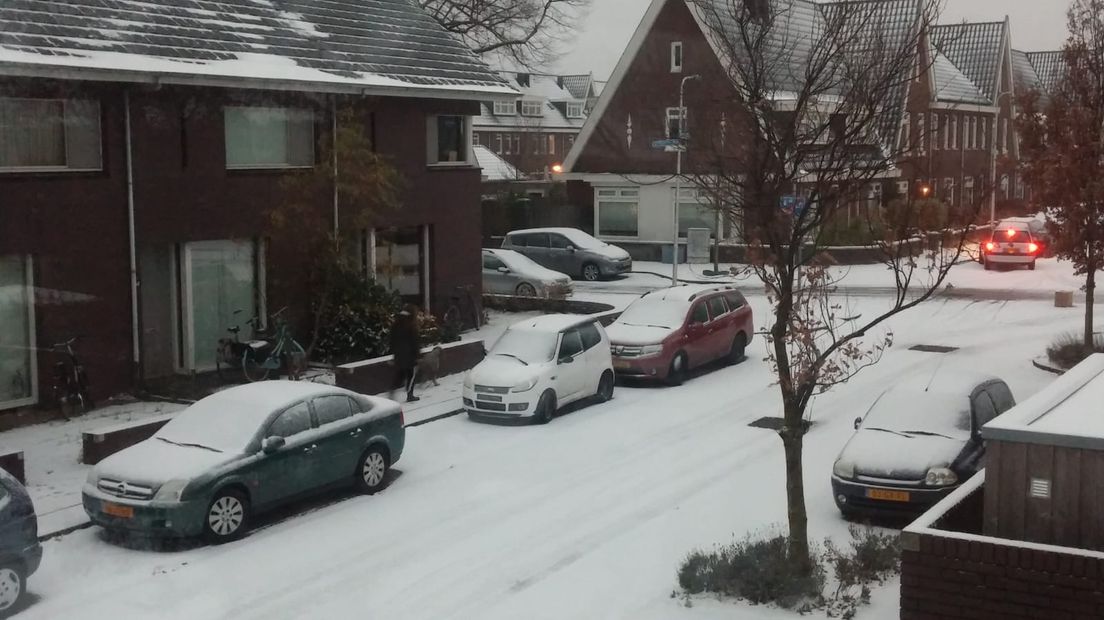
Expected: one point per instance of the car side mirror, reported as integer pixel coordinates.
(858, 423)
(504, 270)
(567, 359)
(570, 248)
(272, 444)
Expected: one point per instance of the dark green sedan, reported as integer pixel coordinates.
(242, 451)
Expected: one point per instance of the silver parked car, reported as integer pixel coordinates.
(506, 272)
(570, 251)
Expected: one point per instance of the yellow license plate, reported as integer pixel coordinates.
(115, 510)
(619, 364)
(892, 496)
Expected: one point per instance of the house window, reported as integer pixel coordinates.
(1005, 141)
(968, 191)
(505, 108)
(574, 110)
(399, 261)
(508, 145)
(986, 130)
(676, 57)
(934, 129)
(675, 123)
(569, 142)
(945, 127)
(517, 143)
(949, 190)
(905, 137)
(538, 142)
(498, 143)
(903, 188)
(954, 132)
(1019, 189)
(447, 137)
(531, 108)
(616, 212)
(17, 333)
(475, 139)
(219, 285)
(49, 134)
(551, 144)
(1004, 187)
(695, 212)
(258, 137)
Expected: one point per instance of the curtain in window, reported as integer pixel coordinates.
(15, 332)
(32, 133)
(450, 139)
(274, 137)
(221, 279)
(399, 256)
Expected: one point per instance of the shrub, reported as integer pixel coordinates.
(758, 570)
(1069, 349)
(873, 557)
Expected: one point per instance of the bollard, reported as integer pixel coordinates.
(1063, 299)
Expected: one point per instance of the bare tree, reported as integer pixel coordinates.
(1063, 146)
(813, 99)
(524, 31)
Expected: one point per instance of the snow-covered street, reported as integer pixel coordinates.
(587, 517)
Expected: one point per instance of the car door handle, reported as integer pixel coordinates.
(310, 448)
(355, 433)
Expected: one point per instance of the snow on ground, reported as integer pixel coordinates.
(587, 517)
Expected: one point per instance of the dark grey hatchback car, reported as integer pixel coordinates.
(20, 552)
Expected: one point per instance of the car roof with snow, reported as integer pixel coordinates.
(1010, 223)
(552, 323)
(554, 229)
(945, 379)
(686, 292)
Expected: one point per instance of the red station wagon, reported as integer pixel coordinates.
(665, 333)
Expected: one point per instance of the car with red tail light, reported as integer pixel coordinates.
(1012, 244)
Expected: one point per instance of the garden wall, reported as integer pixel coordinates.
(377, 375)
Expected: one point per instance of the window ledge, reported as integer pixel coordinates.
(451, 164)
(46, 170)
(267, 168)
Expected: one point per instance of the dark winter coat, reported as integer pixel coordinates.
(405, 345)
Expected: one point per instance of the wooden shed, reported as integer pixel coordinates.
(1045, 463)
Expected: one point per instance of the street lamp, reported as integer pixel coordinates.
(678, 176)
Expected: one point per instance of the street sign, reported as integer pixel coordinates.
(671, 144)
(794, 205)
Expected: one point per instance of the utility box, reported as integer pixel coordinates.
(697, 245)
(1063, 299)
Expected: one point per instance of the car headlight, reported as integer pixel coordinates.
(844, 469)
(171, 491)
(468, 383)
(525, 386)
(940, 477)
(652, 349)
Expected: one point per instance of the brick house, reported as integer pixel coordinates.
(535, 132)
(142, 147)
(955, 134)
(1022, 539)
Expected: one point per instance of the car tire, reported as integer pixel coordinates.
(1031, 266)
(591, 272)
(605, 387)
(736, 353)
(676, 374)
(988, 266)
(13, 586)
(546, 408)
(371, 470)
(526, 290)
(227, 516)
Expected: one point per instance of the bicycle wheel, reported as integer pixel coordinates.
(253, 368)
(295, 358)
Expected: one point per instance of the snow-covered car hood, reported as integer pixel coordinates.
(884, 454)
(503, 371)
(542, 274)
(609, 251)
(156, 462)
(636, 335)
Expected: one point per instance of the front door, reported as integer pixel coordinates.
(292, 469)
(17, 344)
(217, 279)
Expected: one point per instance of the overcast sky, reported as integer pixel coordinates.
(1036, 25)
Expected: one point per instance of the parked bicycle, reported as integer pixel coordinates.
(465, 307)
(70, 381)
(258, 357)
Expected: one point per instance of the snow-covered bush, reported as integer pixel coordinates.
(758, 570)
(1068, 349)
(872, 558)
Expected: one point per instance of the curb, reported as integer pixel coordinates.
(1041, 364)
(64, 531)
(442, 416)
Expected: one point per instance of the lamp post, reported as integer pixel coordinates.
(678, 177)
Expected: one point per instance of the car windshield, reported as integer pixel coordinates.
(526, 346)
(215, 424)
(582, 240)
(915, 412)
(666, 313)
(1011, 235)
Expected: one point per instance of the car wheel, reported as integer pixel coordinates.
(227, 516)
(546, 408)
(676, 374)
(605, 387)
(526, 290)
(988, 266)
(736, 353)
(1031, 266)
(12, 587)
(591, 273)
(372, 470)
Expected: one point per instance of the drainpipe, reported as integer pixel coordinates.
(135, 328)
(333, 115)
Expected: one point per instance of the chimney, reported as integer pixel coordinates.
(523, 80)
(559, 81)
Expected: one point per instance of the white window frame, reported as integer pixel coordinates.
(674, 114)
(574, 109)
(508, 145)
(468, 159)
(270, 166)
(64, 114)
(505, 108)
(532, 108)
(1004, 141)
(615, 194)
(968, 191)
(475, 138)
(551, 144)
(949, 190)
(28, 277)
(954, 133)
(498, 143)
(906, 131)
(934, 128)
(677, 58)
(903, 188)
(945, 128)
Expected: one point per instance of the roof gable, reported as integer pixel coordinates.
(1049, 66)
(494, 167)
(951, 85)
(344, 45)
(977, 50)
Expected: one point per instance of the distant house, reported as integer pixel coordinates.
(535, 132)
(143, 146)
(1022, 539)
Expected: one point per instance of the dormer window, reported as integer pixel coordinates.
(531, 108)
(676, 57)
(505, 108)
(574, 110)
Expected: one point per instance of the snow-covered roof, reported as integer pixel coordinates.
(494, 167)
(552, 323)
(533, 87)
(378, 47)
(1065, 413)
(952, 85)
(976, 49)
(685, 292)
(578, 85)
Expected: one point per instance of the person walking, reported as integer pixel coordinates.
(406, 348)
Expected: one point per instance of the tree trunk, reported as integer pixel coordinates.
(793, 434)
(1090, 296)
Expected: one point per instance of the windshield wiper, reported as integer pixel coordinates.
(190, 445)
(647, 325)
(514, 356)
(886, 430)
(928, 433)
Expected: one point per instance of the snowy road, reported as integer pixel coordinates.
(584, 518)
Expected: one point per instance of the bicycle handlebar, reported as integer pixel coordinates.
(67, 343)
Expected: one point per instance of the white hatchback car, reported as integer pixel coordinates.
(538, 366)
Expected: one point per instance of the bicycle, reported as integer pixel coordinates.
(259, 357)
(70, 381)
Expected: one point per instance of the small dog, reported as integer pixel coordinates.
(429, 367)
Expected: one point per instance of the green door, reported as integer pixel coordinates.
(339, 439)
(293, 468)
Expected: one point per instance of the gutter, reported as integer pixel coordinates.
(135, 331)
